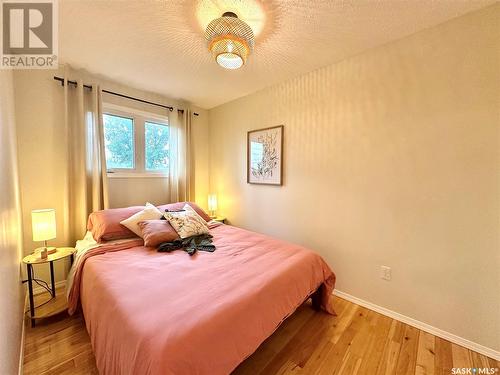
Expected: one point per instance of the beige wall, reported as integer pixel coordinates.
(391, 158)
(11, 290)
(42, 154)
(200, 148)
(136, 191)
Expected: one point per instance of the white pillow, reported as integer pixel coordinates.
(149, 213)
(187, 223)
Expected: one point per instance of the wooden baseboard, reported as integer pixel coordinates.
(23, 335)
(421, 325)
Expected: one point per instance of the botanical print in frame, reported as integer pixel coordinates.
(265, 156)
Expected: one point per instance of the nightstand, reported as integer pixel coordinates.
(220, 219)
(59, 303)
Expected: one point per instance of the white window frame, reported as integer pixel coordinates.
(139, 119)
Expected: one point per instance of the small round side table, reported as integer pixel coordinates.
(30, 260)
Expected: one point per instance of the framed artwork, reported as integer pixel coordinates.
(265, 156)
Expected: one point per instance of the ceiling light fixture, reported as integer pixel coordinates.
(230, 40)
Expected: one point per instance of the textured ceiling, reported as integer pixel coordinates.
(159, 46)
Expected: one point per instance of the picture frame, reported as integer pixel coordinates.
(265, 156)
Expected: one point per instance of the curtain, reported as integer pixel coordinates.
(87, 185)
(181, 182)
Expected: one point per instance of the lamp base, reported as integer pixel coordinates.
(50, 250)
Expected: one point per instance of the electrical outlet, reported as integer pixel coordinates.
(385, 273)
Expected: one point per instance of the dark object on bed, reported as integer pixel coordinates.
(190, 245)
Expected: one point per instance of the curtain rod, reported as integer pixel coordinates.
(123, 96)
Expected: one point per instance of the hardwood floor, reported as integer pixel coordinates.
(357, 341)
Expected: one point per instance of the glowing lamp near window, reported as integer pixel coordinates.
(43, 223)
(212, 205)
(230, 40)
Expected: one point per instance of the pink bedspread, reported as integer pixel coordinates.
(169, 313)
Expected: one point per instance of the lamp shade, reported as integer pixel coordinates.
(43, 223)
(212, 203)
(230, 40)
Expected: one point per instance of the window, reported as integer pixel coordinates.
(156, 146)
(136, 142)
(119, 141)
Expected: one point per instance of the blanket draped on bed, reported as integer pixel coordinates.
(88, 247)
(75, 275)
(154, 313)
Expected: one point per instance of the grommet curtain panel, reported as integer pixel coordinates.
(181, 181)
(87, 185)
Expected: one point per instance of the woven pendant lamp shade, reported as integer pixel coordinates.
(230, 40)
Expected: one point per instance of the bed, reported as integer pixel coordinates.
(168, 313)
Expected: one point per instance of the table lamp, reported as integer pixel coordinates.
(212, 205)
(43, 223)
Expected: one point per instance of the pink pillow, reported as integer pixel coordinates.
(155, 232)
(179, 205)
(105, 225)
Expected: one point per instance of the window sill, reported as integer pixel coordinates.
(136, 175)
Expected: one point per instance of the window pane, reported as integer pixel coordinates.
(157, 146)
(119, 141)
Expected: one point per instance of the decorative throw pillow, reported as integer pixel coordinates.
(187, 223)
(192, 210)
(150, 212)
(155, 232)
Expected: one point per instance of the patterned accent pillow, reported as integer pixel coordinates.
(187, 223)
